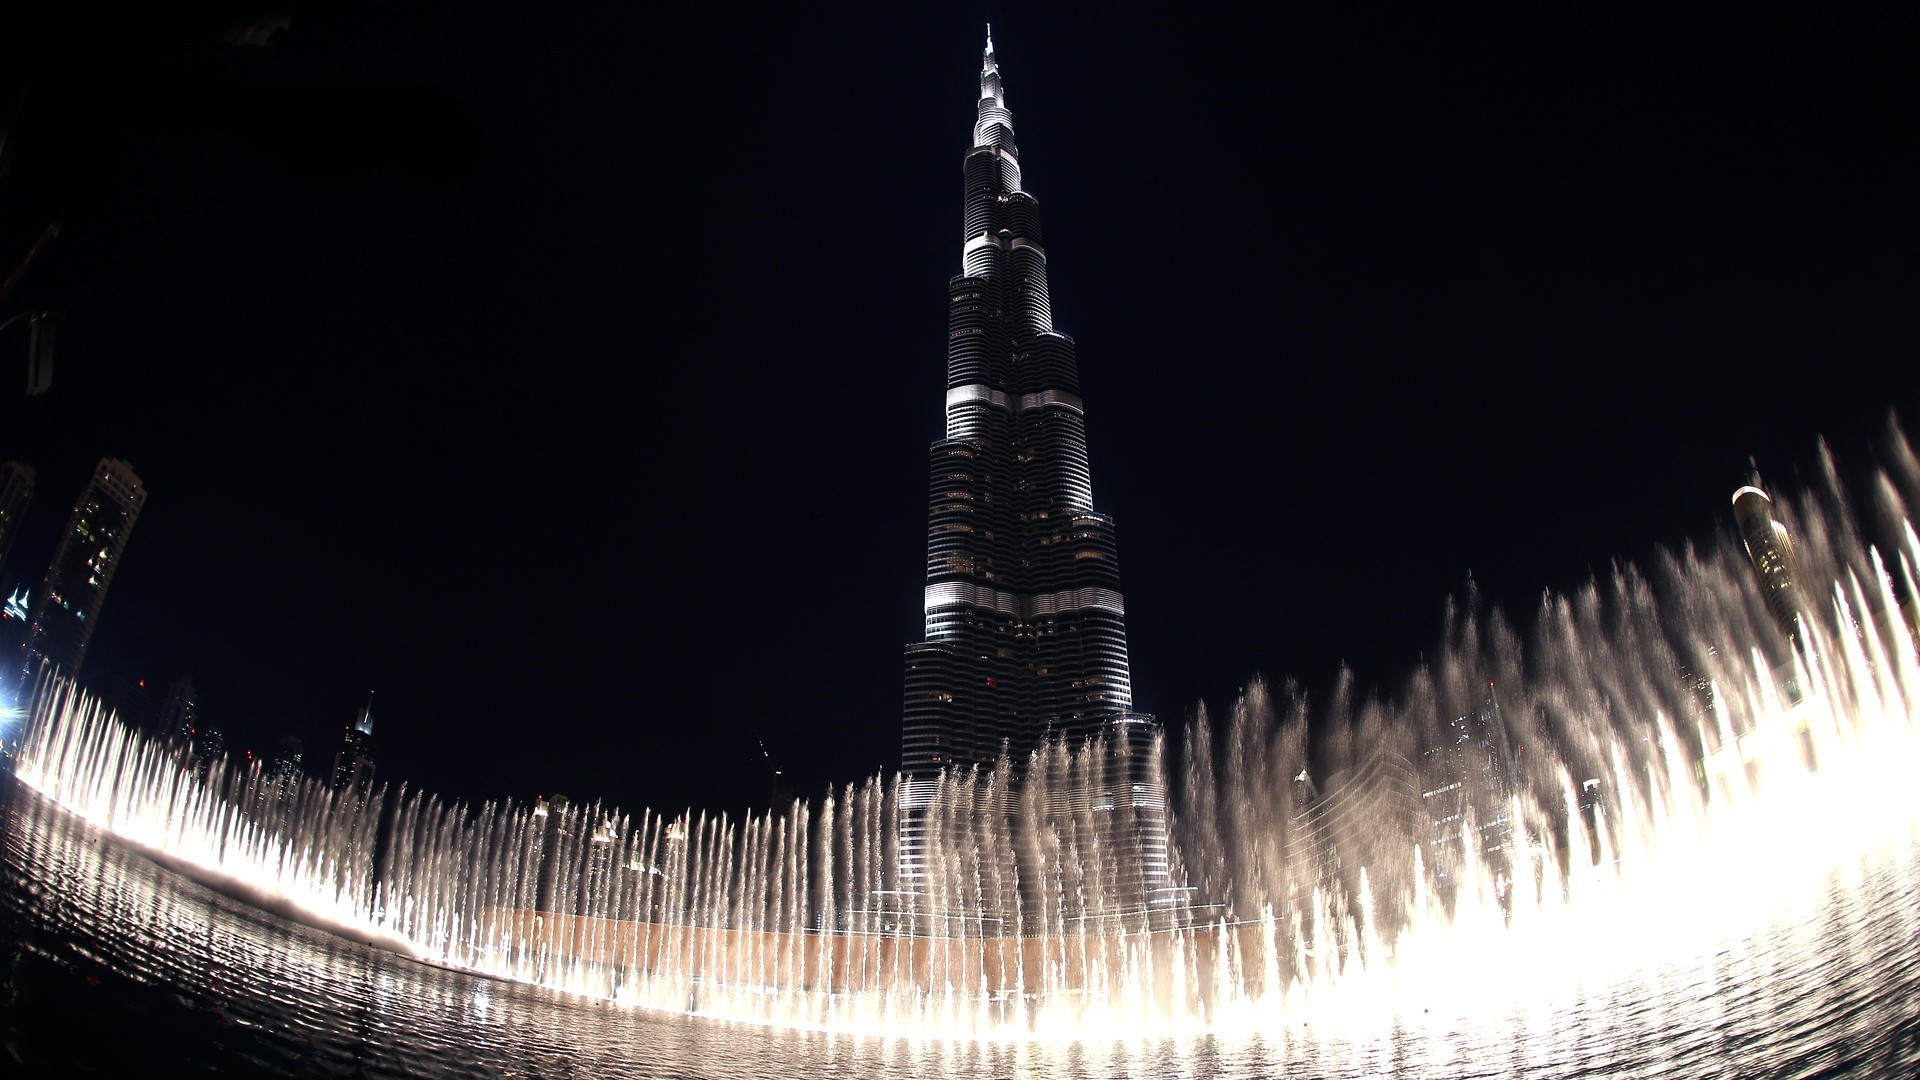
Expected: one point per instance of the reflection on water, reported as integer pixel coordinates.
(114, 964)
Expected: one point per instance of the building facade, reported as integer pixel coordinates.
(1025, 620)
(67, 607)
(1359, 821)
(178, 719)
(1467, 786)
(353, 765)
(280, 776)
(1770, 549)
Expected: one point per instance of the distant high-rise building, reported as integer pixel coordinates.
(554, 846)
(353, 765)
(208, 744)
(283, 772)
(1357, 823)
(40, 353)
(16, 494)
(68, 605)
(1777, 566)
(285, 765)
(178, 718)
(1771, 551)
(1025, 622)
(1468, 778)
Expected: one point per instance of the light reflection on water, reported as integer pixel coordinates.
(114, 964)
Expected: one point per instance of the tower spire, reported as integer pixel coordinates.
(990, 76)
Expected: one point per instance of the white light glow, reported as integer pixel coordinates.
(1656, 854)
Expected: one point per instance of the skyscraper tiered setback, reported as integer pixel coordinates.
(1026, 636)
(1026, 626)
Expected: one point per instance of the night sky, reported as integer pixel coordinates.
(567, 375)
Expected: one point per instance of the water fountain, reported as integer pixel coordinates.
(1683, 787)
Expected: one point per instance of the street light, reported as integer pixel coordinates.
(39, 348)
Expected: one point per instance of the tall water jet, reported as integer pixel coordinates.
(1642, 784)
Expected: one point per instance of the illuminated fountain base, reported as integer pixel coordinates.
(1654, 835)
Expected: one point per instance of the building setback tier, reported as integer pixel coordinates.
(1024, 663)
(1025, 618)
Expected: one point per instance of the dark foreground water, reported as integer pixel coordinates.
(113, 965)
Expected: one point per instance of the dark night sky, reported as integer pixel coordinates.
(568, 378)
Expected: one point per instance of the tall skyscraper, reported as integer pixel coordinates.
(353, 765)
(280, 780)
(67, 607)
(209, 743)
(178, 719)
(16, 493)
(555, 846)
(1026, 635)
(1025, 623)
(1470, 777)
(1771, 551)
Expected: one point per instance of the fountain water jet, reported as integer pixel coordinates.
(1660, 807)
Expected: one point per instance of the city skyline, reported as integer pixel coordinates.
(529, 431)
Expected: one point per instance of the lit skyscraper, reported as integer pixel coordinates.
(179, 716)
(1469, 777)
(1025, 623)
(208, 744)
(353, 765)
(1771, 551)
(281, 778)
(67, 607)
